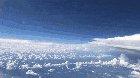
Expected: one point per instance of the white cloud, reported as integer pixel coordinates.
(22, 46)
(31, 72)
(128, 42)
(135, 74)
(51, 70)
(10, 65)
(135, 37)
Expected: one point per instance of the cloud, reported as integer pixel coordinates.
(31, 72)
(135, 37)
(135, 74)
(128, 42)
(28, 46)
(22, 47)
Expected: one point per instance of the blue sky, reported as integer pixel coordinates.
(68, 20)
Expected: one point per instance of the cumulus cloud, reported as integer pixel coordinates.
(31, 72)
(128, 42)
(135, 74)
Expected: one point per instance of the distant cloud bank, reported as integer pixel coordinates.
(128, 42)
(16, 45)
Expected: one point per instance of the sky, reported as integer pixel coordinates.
(68, 20)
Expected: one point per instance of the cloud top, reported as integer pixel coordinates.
(128, 42)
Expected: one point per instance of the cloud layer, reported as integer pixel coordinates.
(16, 45)
(128, 42)
(21, 48)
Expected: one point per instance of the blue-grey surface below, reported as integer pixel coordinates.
(118, 63)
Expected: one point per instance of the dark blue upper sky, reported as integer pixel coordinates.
(68, 20)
